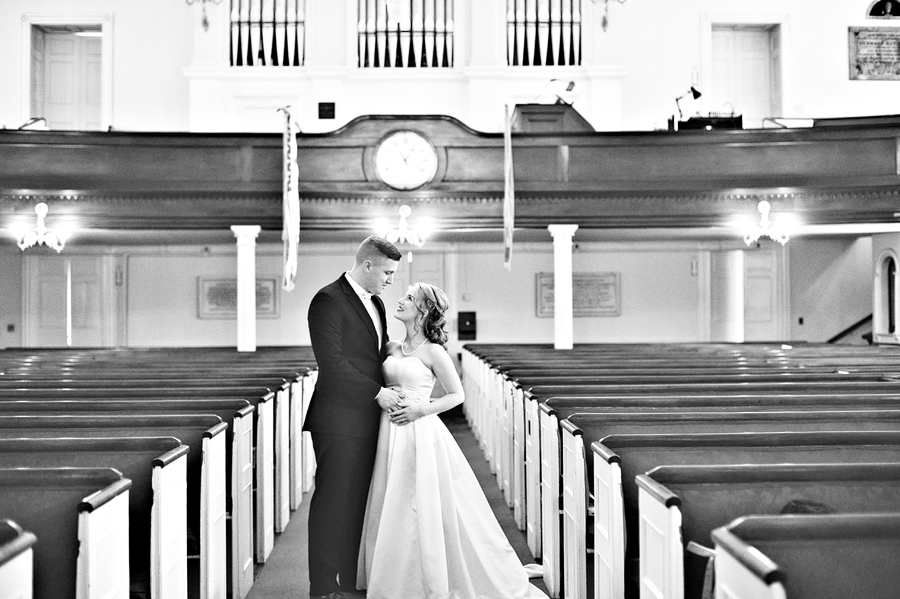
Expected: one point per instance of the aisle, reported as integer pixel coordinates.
(284, 576)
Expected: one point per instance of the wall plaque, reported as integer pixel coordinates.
(593, 294)
(874, 53)
(217, 298)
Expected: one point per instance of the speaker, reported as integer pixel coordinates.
(466, 326)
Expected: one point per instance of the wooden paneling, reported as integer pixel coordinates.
(119, 180)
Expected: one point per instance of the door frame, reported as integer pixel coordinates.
(102, 20)
(782, 21)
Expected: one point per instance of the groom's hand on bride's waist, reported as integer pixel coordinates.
(389, 399)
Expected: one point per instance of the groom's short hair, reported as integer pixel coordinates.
(374, 247)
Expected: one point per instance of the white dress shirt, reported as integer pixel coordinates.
(366, 299)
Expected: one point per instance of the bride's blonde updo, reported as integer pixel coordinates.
(431, 303)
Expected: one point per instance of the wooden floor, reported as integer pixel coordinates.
(284, 576)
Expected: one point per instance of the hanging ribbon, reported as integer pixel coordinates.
(509, 192)
(290, 233)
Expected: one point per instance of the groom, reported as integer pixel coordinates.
(348, 332)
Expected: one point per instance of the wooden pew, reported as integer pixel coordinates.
(239, 456)
(507, 410)
(601, 422)
(264, 428)
(16, 561)
(683, 504)
(543, 442)
(809, 557)
(80, 519)
(207, 478)
(157, 510)
(618, 459)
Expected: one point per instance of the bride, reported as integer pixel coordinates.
(429, 531)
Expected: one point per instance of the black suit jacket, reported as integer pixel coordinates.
(349, 359)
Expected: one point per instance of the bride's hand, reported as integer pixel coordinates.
(407, 413)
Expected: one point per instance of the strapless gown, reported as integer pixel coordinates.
(429, 532)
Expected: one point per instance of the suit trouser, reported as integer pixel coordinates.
(337, 508)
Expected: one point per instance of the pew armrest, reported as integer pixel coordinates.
(170, 456)
(657, 491)
(104, 496)
(21, 541)
(605, 453)
(761, 566)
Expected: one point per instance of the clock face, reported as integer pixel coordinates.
(405, 160)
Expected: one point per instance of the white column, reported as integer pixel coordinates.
(562, 285)
(246, 285)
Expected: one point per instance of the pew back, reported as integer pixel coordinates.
(157, 469)
(691, 501)
(55, 504)
(809, 557)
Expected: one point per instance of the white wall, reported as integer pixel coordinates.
(659, 296)
(152, 42)
(665, 293)
(10, 296)
(831, 285)
(170, 74)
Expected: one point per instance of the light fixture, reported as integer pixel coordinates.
(765, 228)
(403, 233)
(41, 235)
(205, 19)
(692, 92)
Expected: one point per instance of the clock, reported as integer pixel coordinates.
(405, 160)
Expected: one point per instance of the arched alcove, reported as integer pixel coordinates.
(886, 294)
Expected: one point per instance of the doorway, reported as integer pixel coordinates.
(66, 76)
(745, 74)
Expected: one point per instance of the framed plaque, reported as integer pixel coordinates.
(217, 298)
(874, 53)
(594, 294)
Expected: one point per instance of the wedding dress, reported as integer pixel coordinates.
(429, 532)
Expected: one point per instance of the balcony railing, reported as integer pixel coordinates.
(405, 33)
(267, 32)
(543, 32)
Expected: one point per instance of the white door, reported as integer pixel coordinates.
(765, 293)
(66, 79)
(73, 301)
(745, 73)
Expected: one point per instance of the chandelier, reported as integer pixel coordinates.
(765, 228)
(404, 234)
(40, 234)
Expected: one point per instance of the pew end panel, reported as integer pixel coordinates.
(264, 504)
(519, 461)
(574, 513)
(242, 518)
(660, 541)
(295, 436)
(609, 524)
(282, 459)
(168, 532)
(103, 537)
(550, 504)
(16, 561)
(214, 515)
(532, 477)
